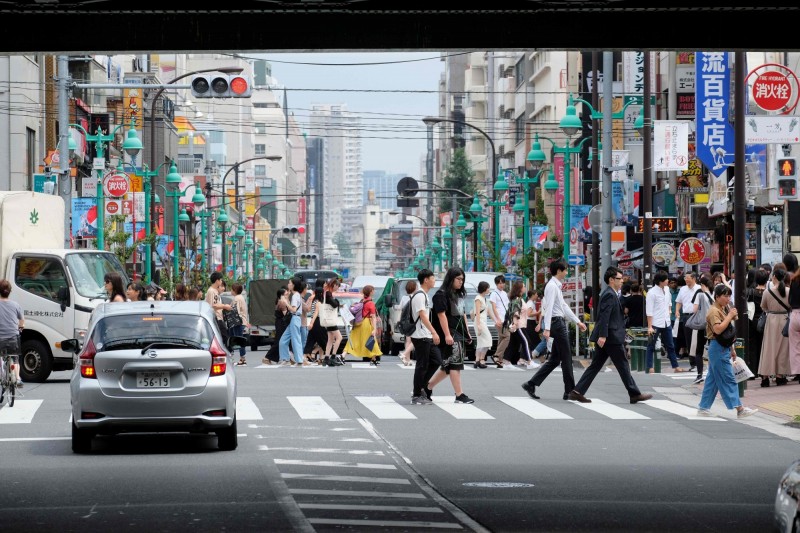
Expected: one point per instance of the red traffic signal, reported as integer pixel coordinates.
(787, 167)
(294, 230)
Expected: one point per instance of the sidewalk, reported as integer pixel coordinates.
(782, 402)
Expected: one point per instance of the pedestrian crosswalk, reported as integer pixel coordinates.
(387, 407)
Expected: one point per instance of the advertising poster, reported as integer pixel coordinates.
(138, 235)
(579, 223)
(84, 218)
(771, 239)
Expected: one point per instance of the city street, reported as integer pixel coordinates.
(341, 448)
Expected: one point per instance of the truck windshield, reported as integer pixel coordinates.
(88, 270)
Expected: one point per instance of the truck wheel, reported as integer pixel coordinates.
(36, 363)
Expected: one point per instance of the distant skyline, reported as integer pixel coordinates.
(393, 135)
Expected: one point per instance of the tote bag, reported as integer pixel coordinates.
(328, 317)
(698, 318)
(741, 372)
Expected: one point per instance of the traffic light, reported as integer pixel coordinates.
(294, 231)
(308, 256)
(221, 86)
(787, 178)
(512, 197)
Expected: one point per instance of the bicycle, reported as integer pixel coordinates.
(8, 381)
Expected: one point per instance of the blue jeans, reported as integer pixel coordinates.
(294, 336)
(666, 340)
(238, 331)
(720, 378)
(541, 347)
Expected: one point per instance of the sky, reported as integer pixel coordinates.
(393, 135)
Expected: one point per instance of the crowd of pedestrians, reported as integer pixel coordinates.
(689, 316)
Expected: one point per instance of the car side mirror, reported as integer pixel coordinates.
(71, 345)
(63, 297)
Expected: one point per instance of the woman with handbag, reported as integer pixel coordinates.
(334, 335)
(317, 335)
(721, 331)
(363, 341)
(696, 336)
(774, 346)
(755, 294)
(240, 304)
(282, 319)
(518, 351)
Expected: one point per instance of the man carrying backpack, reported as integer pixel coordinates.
(425, 339)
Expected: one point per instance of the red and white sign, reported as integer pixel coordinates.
(623, 258)
(772, 91)
(113, 207)
(127, 207)
(692, 250)
(116, 184)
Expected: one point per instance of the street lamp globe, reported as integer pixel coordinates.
(268, 257)
(536, 157)
(447, 236)
(475, 208)
(218, 239)
(173, 178)
(222, 218)
(198, 199)
(184, 216)
(519, 204)
(427, 253)
(275, 263)
(461, 223)
(551, 185)
(248, 242)
(501, 184)
(239, 233)
(436, 246)
(132, 144)
(570, 124)
(260, 249)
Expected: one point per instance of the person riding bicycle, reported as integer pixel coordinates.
(11, 324)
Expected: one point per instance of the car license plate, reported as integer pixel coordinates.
(152, 380)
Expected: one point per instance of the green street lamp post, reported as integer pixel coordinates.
(147, 175)
(222, 220)
(500, 186)
(461, 229)
(522, 205)
(174, 179)
(476, 211)
(204, 214)
(436, 250)
(248, 245)
(132, 146)
(536, 158)
(447, 237)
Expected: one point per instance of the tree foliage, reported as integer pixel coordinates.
(342, 242)
(458, 175)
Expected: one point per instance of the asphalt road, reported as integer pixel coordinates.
(342, 449)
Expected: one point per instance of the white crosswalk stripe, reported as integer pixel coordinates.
(312, 408)
(386, 407)
(21, 413)
(533, 408)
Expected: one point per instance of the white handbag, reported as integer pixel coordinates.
(741, 372)
(328, 317)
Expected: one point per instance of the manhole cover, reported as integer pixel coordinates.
(497, 484)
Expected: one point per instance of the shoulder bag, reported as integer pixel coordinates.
(232, 318)
(698, 318)
(785, 331)
(328, 317)
(727, 337)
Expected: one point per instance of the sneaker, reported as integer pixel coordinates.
(704, 412)
(534, 364)
(428, 393)
(463, 398)
(420, 400)
(20, 384)
(699, 379)
(745, 412)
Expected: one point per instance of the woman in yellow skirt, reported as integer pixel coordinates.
(364, 327)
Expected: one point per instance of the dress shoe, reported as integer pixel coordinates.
(531, 390)
(640, 398)
(566, 396)
(578, 397)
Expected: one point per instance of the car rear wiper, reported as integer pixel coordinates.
(171, 342)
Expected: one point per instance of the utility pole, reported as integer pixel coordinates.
(740, 194)
(64, 178)
(595, 188)
(608, 220)
(429, 170)
(647, 177)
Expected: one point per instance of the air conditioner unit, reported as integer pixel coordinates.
(699, 219)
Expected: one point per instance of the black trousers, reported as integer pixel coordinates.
(617, 354)
(316, 335)
(428, 359)
(559, 355)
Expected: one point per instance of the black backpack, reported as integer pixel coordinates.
(407, 325)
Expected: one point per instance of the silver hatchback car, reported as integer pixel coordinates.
(153, 366)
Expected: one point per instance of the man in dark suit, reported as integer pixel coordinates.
(609, 338)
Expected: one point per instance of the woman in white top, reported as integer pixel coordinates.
(481, 325)
(411, 288)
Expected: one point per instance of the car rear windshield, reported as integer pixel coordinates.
(139, 331)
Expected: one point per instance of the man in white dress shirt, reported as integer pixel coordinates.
(555, 312)
(658, 305)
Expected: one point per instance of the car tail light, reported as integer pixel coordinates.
(86, 359)
(219, 359)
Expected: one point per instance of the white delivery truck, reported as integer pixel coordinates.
(57, 288)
